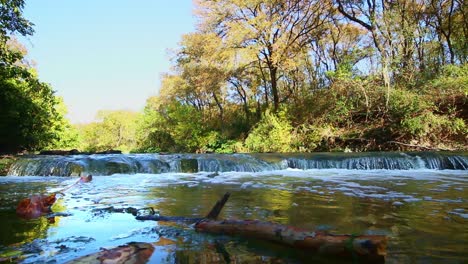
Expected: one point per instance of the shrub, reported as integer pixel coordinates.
(272, 134)
(310, 137)
(405, 104)
(433, 127)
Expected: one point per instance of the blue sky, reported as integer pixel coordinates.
(105, 54)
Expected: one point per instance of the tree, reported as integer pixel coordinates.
(113, 130)
(274, 32)
(11, 22)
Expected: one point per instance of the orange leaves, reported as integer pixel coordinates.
(35, 206)
(38, 205)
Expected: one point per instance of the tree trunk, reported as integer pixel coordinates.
(274, 86)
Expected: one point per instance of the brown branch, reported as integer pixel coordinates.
(213, 214)
(366, 247)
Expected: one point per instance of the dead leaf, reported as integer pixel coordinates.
(131, 253)
(35, 206)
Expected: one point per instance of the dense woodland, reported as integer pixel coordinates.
(31, 116)
(272, 76)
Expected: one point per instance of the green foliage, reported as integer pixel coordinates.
(407, 104)
(310, 137)
(272, 134)
(66, 135)
(28, 114)
(5, 164)
(31, 116)
(114, 130)
(344, 81)
(431, 127)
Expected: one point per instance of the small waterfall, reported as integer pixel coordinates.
(76, 165)
(380, 161)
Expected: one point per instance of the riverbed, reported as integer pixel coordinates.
(423, 212)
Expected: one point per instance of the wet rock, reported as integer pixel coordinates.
(189, 165)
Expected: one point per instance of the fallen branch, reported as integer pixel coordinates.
(213, 214)
(368, 247)
(371, 247)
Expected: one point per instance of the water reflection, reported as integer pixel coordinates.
(422, 213)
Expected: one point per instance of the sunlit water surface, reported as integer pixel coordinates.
(424, 213)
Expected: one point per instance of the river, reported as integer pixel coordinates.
(418, 200)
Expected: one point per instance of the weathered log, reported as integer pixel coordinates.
(77, 152)
(370, 247)
(213, 214)
(110, 151)
(60, 152)
(363, 247)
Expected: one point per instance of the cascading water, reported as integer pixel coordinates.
(409, 197)
(74, 165)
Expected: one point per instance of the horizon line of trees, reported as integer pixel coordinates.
(275, 76)
(310, 75)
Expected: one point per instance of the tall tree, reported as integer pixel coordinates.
(29, 114)
(273, 31)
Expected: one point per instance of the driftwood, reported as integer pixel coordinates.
(364, 247)
(370, 247)
(213, 214)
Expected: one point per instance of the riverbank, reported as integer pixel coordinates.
(5, 162)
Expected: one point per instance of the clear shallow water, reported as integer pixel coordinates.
(423, 212)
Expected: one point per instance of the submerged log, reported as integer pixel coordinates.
(364, 247)
(213, 214)
(370, 247)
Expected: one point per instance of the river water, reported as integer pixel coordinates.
(422, 208)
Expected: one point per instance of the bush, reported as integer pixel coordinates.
(405, 104)
(433, 127)
(450, 90)
(311, 137)
(272, 134)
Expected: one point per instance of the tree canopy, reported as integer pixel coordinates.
(311, 75)
(271, 75)
(31, 116)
